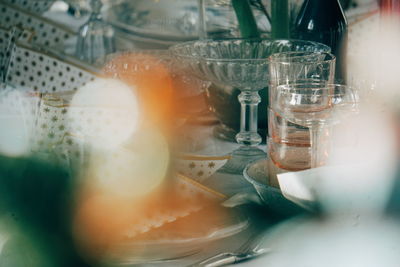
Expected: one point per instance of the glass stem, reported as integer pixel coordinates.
(248, 135)
(202, 20)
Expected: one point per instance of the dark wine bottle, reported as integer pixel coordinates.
(324, 21)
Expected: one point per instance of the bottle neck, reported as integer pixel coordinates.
(326, 12)
(323, 3)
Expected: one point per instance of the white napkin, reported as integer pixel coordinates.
(17, 117)
(299, 187)
(339, 189)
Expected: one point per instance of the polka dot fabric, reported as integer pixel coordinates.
(4, 43)
(7, 37)
(47, 33)
(44, 73)
(36, 6)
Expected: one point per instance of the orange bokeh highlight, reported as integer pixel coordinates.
(102, 221)
(152, 81)
(167, 92)
(99, 221)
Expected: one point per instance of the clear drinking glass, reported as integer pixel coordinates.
(292, 67)
(315, 105)
(242, 64)
(288, 136)
(95, 37)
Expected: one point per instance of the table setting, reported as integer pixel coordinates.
(199, 133)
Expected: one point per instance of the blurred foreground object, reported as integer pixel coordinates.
(361, 166)
(372, 67)
(105, 112)
(390, 6)
(151, 80)
(352, 190)
(352, 242)
(178, 218)
(38, 196)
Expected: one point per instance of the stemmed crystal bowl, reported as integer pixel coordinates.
(243, 64)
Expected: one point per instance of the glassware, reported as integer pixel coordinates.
(315, 105)
(289, 143)
(202, 20)
(243, 64)
(95, 37)
(293, 67)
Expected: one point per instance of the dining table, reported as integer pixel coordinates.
(265, 221)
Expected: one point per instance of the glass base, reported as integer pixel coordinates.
(241, 158)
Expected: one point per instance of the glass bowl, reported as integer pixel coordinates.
(256, 173)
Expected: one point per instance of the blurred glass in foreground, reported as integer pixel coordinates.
(35, 217)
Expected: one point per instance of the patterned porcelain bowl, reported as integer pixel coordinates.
(200, 168)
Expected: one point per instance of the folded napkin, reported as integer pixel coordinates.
(299, 187)
(17, 116)
(337, 189)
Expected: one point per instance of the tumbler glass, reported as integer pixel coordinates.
(289, 142)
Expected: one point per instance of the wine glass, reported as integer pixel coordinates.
(95, 37)
(315, 105)
(243, 64)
